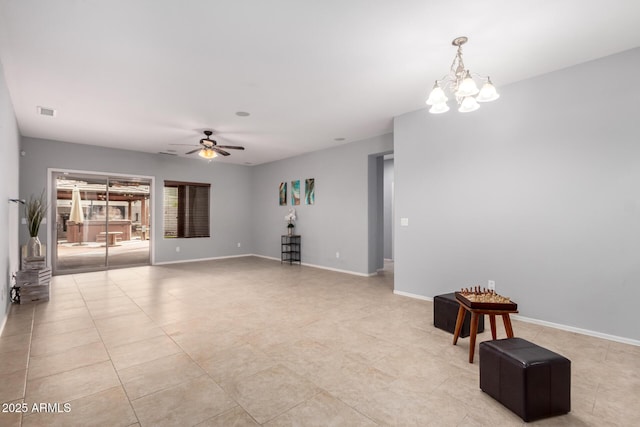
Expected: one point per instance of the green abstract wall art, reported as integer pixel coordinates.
(295, 192)
(310, 191)
(283, 194)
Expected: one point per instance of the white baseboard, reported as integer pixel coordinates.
(200, 259)
(410, 295)
(354, 273)
(322, 267)
(266, 257)
(577, 330)
(337, 270)
(545, 323)
(3, 322)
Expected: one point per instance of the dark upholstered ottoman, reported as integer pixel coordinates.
(445, 314)
(528, 379)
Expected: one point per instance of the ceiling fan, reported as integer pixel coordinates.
(209, 148)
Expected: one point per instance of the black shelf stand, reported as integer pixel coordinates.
(290, 249)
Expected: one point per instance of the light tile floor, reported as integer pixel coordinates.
(248, 341)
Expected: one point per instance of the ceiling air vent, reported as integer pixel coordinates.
(44, 111)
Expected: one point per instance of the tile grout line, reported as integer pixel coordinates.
(205, 373)
(135, 414)
(26, 373)
(361, 328)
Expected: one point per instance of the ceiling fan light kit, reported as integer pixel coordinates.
(209, 149)
(460, 82)
(207, 153)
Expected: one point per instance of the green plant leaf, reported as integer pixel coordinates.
(35, 212)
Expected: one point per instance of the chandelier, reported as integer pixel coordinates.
(462, 85)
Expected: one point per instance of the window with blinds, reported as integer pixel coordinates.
(186, 209)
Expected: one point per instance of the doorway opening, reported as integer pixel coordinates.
(381, 211)
(101, 222)
(388, 209)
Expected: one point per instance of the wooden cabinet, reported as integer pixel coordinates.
(290, 249)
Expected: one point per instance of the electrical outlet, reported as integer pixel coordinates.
(177, 248)
(24, 220)
(238, 244)
(404, 222)
(491, 285)
(337, 254)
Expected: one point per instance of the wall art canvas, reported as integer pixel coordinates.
(283, 194)
(310, 191)
(295, 192)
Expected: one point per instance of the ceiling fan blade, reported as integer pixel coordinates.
(231, 147)
(193, 151)
(219, 151)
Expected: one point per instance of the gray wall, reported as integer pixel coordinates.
(230, 184)
(338, 222)
(9, 212)
(539, 191)
(388, 209)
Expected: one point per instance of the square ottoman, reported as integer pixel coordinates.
(445, 314)
(530, 380)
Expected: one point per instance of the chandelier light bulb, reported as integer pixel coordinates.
(467, 86)
(439, 108)
(437, 95)
(488, 92)
(468, 105)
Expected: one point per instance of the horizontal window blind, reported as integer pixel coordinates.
(186, 209)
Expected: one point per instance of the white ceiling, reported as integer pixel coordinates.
(144, 74)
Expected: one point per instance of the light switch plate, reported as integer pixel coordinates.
(404, 222)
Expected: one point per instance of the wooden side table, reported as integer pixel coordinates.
(481, 311)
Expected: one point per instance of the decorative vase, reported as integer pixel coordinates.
(34, 247)
(290, 231)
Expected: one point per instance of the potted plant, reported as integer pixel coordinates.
(290, 218)
(35, 212)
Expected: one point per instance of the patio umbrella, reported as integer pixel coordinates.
(77, 215)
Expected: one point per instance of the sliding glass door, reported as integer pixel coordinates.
(128, 222)
(101, 222)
